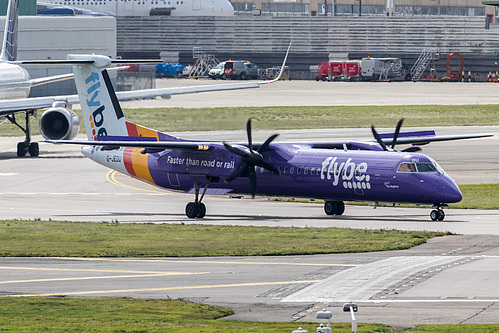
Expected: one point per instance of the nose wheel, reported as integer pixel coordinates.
(437, 214)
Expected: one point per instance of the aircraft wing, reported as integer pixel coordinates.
(10, 106)
(416, 140)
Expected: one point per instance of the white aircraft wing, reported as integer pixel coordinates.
(9, 106)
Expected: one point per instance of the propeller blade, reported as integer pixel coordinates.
(235, 150)
(248, 131)
(378, 138)
(269, 167)
(267, 142)
(412, 149)
(252, 178)
(236, 173)
(397, 132)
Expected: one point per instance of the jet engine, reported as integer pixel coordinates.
(59, 122)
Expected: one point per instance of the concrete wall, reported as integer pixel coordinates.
(264, 40)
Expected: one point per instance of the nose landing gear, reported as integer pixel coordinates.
(437, 214)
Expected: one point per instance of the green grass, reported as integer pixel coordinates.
(300, 117)
(63, 239)
(56, 314)
(136, 315)
(479, 196)
(467, 328)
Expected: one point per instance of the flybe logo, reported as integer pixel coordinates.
(348, 173)
(96, 117)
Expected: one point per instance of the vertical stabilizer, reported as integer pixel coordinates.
(9, 47)
(101, 111)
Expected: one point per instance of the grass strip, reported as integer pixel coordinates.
(300, 117)
(136, 315)
(56, 314)
(77, 239)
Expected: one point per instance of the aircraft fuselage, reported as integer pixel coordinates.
(13, 81)
(144, 8)
(343, 175)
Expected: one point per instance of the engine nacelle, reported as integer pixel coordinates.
(59, 122)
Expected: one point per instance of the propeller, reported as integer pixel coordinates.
(250, 159)
(395, 137)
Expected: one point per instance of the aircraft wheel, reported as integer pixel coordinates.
(202, 210)
(330, 207)
(437, 215)
(21, 149)
(33, 149)
(334, 207)
(340, 207)
(192, 210)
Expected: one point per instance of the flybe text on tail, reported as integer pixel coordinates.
(101, 111)
(93, 102)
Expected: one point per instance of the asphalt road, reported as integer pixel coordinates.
(448, 280)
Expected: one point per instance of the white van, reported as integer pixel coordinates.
(234, 69)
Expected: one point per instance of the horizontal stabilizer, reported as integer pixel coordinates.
(188, 145)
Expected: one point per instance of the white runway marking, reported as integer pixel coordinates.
(361, 283)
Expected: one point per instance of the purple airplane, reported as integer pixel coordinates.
(333, 171)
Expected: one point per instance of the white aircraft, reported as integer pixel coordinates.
(59, 122)
(140, 8)
(15, 81)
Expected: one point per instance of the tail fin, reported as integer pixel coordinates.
(9, 47)
(100, 107)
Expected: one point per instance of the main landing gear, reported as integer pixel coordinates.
(334, 207)
(437, 214)
(197, 209)
(27, 146)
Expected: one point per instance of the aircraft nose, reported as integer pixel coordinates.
(451, 192)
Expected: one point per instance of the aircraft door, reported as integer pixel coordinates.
(196, 5)
(173, 179)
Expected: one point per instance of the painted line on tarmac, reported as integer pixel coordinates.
(111, 177)
(236, 285)
(89, 270)
(212, 262)
(102, 277)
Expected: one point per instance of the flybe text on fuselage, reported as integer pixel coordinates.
(93, 102)
(350, 174)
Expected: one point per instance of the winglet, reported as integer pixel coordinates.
(9, 46)
(283, 67)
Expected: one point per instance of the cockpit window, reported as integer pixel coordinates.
(426, 167)
(407, 167)
(418, 167)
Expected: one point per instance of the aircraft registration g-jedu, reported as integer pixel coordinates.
(333, 171)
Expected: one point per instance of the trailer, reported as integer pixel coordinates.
(367, 69)
(330, 71)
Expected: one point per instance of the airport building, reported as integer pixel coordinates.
(412, 8)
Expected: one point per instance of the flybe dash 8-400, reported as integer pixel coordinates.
(333, 171)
